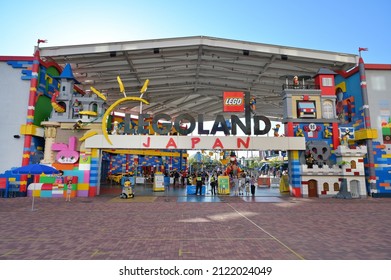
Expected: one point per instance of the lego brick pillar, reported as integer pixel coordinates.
(294, 174)
(94, 173)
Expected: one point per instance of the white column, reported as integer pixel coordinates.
(50, 137)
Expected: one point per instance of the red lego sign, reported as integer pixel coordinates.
(233, 101)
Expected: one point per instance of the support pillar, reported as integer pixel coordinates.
(50, 130)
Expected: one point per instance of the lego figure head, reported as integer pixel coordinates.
(66, 153)
(232, 157)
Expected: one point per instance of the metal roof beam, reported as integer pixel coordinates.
(132, 68)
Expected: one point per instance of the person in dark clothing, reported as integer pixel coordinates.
(213, 181)
(183, 178)
(176, 178)
(199, 183)
(252, 185)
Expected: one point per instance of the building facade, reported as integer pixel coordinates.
(46, 118)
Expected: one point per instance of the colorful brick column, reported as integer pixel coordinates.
(94, 173)
(371, 186)
(30, 116)
(294, 173)
(83, 173)
(31, 107)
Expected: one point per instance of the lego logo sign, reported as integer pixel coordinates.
(233, 101)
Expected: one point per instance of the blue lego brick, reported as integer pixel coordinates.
(78, 173)
(93, 178)
(296, 182)
(26, 75)
(20, 63)
(46, 193)
(94, 168)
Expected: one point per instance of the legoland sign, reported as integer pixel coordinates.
(162, 124)
(139, 138)
(157, 142)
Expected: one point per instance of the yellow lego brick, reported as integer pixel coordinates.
(48, 78)
(386, 156)
(341, 85)
(94, 153)
(36, 193)
(365, 134)
(31, 130)
(28, 129)
(83, 186)
(294, 155)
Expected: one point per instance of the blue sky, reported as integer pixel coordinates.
(340, 26)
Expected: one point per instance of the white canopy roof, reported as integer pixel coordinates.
(189, 75)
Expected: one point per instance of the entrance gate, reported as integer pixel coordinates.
(159, 142)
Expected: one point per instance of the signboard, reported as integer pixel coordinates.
(223, 185)
(179, 142)
(158, 183)
(233, 101)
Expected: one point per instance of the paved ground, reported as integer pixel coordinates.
(193, 228)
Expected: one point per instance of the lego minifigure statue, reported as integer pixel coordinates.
(276, 129)
(339, 108)
(77, 107)
(253, 101)
(344, 141)
(115, 129)
(299, 132)
(78, 125)
(345, 137)
(295, 82)
(327, 132)
(310, 161)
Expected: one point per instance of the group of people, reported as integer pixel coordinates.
(180, 177)
(273, 171)
(202, 178)
(243, 184)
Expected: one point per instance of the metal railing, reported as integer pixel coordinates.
(300, 87)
